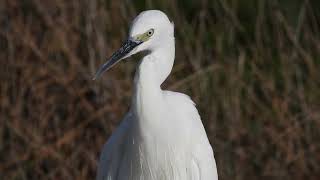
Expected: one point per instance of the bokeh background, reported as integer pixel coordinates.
(252, 67)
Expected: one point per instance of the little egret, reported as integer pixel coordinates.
(162, 136)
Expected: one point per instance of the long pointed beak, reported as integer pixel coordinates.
(116, 57)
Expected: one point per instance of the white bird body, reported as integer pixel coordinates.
(162, 136)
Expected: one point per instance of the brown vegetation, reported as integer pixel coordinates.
(252, 67)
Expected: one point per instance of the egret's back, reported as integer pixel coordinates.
(182, 152)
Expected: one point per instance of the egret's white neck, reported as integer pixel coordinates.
(151, 73)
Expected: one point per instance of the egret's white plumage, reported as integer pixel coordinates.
(162, 136)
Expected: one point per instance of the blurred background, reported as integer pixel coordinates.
(252, 67)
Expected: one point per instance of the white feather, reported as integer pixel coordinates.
(162, 136)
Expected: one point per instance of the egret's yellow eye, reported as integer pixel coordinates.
(145, 36)
(150, 32)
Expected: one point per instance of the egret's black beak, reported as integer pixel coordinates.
(125, 49)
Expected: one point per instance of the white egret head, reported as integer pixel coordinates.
(149, 30)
